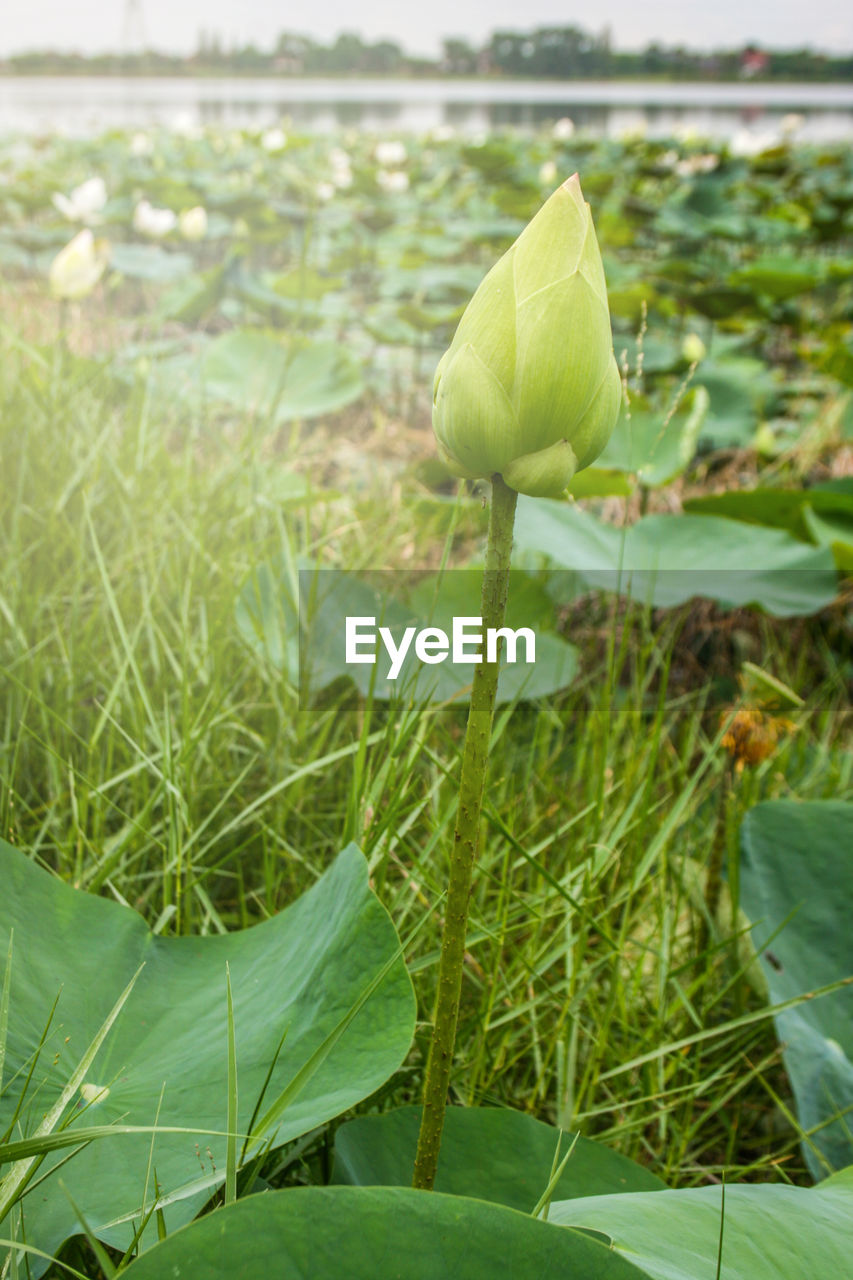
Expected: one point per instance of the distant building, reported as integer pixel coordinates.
(753, 62)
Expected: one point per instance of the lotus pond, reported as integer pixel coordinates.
(223, 852)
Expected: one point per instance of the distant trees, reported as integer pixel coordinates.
(558, 52)
(552, 52)
(349, 54)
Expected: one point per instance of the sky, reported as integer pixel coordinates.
(173, 25)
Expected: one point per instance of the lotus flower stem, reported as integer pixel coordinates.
(475, 757)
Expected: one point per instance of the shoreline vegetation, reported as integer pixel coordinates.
(550, 53)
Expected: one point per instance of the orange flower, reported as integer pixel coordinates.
(752, 735)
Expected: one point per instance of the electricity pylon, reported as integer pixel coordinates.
(133, 39)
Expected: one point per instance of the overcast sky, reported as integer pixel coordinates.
(173, 25)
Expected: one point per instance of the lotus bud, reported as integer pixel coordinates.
(85, 202)
(78, 267)
(693, 348)
(192, 223)
(154, 222)
(529, 387)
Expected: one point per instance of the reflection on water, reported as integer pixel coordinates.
(86, 105)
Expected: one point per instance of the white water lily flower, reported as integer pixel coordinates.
(635, 132)
(390, 153)
(393, 181)
(85, 201)
(747, 143)
(184, 124)
(141, 145)
(192, 223)
(78, 267)
(563, 129)
(341, 168)
(691, 165)
(273, 139)
(154, 222)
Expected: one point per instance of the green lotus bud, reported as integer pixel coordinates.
(529, 386)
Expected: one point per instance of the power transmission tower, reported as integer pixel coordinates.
(133, 37)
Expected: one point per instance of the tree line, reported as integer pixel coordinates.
(552, 52)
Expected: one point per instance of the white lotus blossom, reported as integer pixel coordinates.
(563, 129)
(548, 173)
(151, 221)
(341, 167)
(192, 223)
(141, 145)
(273, 139)
(390, 153)
(185, 125)
(85, 201)
(747, 143)
(393, 180)
(78, 267)
(635, 132)
(702, 163)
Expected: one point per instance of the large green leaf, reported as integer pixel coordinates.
(741, 391)
(150, 262)
(666, 560)
(263, 377)
(656, 447)
(488, 1153)
(268, 618)
(797, 878)
(779, 277)
(300, 975)
(378, 1233)
(769, 1232)
(791, 509)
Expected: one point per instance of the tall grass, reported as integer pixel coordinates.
(147, 753)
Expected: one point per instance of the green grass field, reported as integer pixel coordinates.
(149, 754)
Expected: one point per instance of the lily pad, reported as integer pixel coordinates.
(376, 1233)
(313, 651)
(489, 1153)
(324, 975)
(796, 883)
(656, 447)
(263, 377)
(150, 262)
(768, 1232)
(666, 560)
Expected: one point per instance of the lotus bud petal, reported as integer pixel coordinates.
(154, 222)
(529, 387)
(85, 201)
(78, 267)
(192, 223)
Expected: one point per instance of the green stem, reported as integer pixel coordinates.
(475, 757)
(714, 877)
